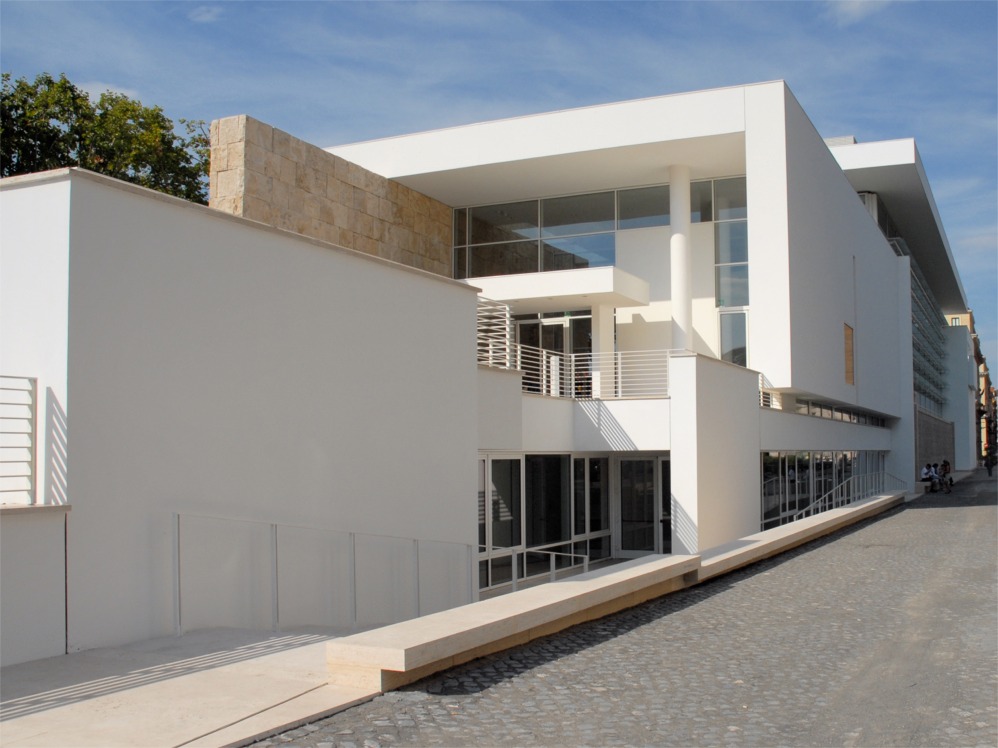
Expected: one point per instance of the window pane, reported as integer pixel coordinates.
(579, 214)
(731, 285)
(733, 339)
(502, 259)
(593, 251)
(460, 227)
(579, 483)
(599, 515)
(638, 209)
(482, 513)
(460, 262)
(505, 503)
(729, 199)
(701, 203)
(503, 223)
(730, 242)
(548, 487)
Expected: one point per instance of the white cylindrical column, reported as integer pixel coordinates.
(681, 257)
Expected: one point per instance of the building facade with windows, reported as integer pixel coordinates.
(716, 333)
(696, 320)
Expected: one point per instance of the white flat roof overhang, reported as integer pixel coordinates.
(564, 290)
(893, 170)
(589, 149)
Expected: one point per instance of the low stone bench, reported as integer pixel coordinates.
(396, 655)
(393, 656)
(752, 548)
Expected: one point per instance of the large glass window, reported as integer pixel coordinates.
(731, 283)
(729, 199)
(730, 242)
(503, 259)
(643, 207)
(701, 202)
(506, 503)
(576, 231)
(548, 491)
(593, 251)
(599, 494)
(504, 223)
(731, 264)
(577, 214)
(734, 338)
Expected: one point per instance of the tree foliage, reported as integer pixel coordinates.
(50, 124)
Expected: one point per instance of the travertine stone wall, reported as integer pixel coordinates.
(267, 175)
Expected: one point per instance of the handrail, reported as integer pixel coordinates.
(514, 552)
(854, 488)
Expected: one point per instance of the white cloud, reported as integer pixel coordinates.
(94, 89)
(849, 12)
(205, 14)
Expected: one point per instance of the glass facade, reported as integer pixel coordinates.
(579, 231)
(542, 509)
(794, 482)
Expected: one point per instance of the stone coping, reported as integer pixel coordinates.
(393, 656)
(8, 509)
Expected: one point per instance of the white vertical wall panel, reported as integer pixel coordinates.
(221, 368)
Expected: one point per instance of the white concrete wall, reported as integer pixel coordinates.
(769, 316)
(961, 397)
(225, 370)
(838, 260)
(622, 425)
(715, 452)
(32, 583)
(785, 431)
(548, 424)
(34, 303)
(500, 415)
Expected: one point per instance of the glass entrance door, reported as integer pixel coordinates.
(644, 520)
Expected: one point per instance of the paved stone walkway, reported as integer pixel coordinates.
(885, 634)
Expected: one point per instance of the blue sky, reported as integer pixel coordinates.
(338, 72)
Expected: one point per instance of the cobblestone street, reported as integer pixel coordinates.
(884, 634)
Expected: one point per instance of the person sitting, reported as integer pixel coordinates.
(929, 477)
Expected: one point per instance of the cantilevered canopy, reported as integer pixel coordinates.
(893, 170)
(626, 144)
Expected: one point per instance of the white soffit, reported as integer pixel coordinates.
(566, 152)
(564, 290)
(893, 170)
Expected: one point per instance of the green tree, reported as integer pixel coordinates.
(50, 123)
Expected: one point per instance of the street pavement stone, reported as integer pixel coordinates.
(883, 634)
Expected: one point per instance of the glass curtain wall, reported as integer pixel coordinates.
(563, 508)
(573, 231)
(793, 481)
(731, 279)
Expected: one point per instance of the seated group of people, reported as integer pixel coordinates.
(937, 476)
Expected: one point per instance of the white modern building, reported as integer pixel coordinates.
(696, 320)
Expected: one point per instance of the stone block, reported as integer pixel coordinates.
(341, 215)
(259, 133)
(365, 225)
(287, 170)
(231, 182)
(258, 209)
(257, 185)
(310, 206)
(231, 130)
(281, 144)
